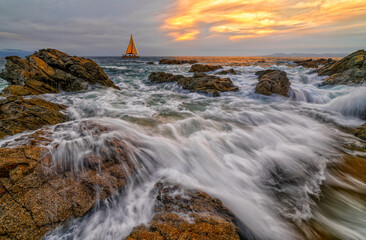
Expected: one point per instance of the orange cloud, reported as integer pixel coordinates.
(240, 19)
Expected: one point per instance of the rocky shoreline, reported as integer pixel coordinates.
(38, 191)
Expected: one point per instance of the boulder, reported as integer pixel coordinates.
(176, 61)
(204, 68)
(18, 115)
(225, 72)
(39, 190)
(200, 82)
(351, 69)
(51, 71)
(187, 214)
(273, 81)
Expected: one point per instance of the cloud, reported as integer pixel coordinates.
(183, 27)
(10, 35)
(240, 19)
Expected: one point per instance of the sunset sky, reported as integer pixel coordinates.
(184, 27)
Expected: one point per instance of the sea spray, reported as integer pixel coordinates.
(351, 104)
(265, 157)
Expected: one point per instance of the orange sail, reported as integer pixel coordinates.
(132, 49)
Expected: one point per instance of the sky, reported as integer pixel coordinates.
(184, 27)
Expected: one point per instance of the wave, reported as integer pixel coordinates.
(352, 104)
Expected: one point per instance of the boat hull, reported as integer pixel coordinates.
(130, 56)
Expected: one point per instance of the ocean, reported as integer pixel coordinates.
(273, 161)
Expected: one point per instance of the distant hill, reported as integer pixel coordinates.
(307, 55)
(14, 52)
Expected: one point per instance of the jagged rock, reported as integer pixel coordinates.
(200, 82)
(51, 71)
(18, 115)
(39, 191)
(273, 81)
(311, 63)
(206, 217)
(176, 61)
(204, 68)
(351, 69)
(225, 72)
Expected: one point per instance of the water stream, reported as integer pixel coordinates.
(265, 157)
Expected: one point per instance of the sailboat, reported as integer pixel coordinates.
(132, 51)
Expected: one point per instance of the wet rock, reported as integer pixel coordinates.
(18, 115)
(204, 68)
(161, 77)
(176, 61)
(351, 69)
(307, 63)
(39, 191)
(273, 81)
(51, 71)
(200, 82)
(150, 63)
(187, 214)
(225, 72)
(361, 132)
(311, 63)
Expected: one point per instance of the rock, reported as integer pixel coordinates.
(187, 214)
(176, 61)
(150, 63)
(311, 63)
(204, 68)
(324, 61)
(225, 72)
(307, 63)
(273, 81)
(39, 192)
(31, 87)
(200, 82)
(18, 115)
(351, 69)
(51, 71)
(161, 77)
(361, 132)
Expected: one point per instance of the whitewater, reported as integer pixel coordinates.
(265, 157)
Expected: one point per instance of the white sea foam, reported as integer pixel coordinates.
(265, 157)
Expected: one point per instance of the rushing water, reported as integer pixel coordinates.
(265, 157)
